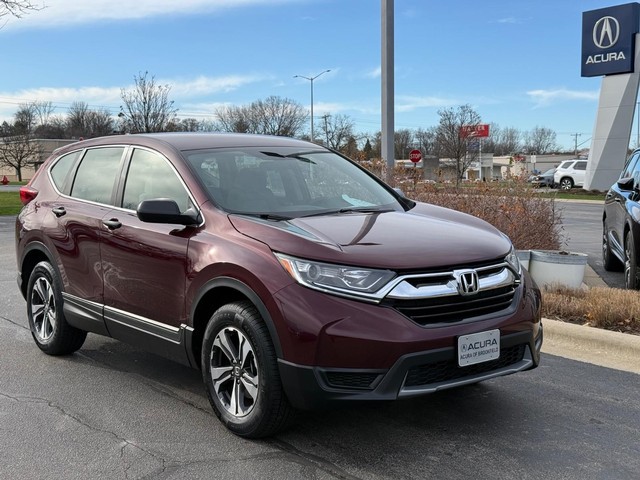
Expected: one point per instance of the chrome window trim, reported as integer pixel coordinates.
(128, 151)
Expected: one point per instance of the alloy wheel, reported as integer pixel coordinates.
(566, 184)
(234, 371)
(43, 309)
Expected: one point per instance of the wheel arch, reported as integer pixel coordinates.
(33, 254)
(214, 294)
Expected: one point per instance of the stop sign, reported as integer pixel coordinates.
(415, 156)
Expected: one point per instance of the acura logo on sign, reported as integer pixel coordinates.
(468, 283)
(606, 32)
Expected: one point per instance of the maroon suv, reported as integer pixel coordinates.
(288, 274)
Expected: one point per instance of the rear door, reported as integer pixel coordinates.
(87, 181)
(76, 220)
(579, 171)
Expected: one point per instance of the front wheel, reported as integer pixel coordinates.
(49, 328)
(566, 183)
(630, 264)
(240, 373)
(609, 261)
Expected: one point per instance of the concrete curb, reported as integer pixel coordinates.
(609, 349)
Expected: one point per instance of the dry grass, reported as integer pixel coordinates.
(608, 308)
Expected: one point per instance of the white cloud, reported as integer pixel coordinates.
(511, 20)
(406, 103)
(182, 90)
(543, 98)
(375, 73)
(73, 12)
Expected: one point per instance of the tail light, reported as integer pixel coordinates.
(27, 194)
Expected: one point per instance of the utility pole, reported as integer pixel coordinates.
(575, 137)
(325, 117)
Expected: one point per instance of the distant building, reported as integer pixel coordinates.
(47, 146)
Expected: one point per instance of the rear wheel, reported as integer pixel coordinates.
(630, 263)
(240, 373)
(566, 183)
(49, 328)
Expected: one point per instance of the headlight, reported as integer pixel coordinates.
(339, 278)
(512, 259)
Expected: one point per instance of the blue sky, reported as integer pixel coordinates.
(516, 62)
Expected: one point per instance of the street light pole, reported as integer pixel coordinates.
(311, 79)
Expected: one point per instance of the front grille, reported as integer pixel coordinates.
(354, 380)
(455, 308)
(449, 370)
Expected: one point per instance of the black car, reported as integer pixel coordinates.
(621, 223)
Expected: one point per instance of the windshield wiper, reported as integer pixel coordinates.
(351, 210)
(272, 216)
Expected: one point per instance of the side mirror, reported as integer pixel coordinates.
(626, 184)
(165, 210)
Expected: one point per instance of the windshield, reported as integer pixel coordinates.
(287, 182)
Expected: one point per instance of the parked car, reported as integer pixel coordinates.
(570, 173)
(621, 224)
(543, 179)
(288, 274)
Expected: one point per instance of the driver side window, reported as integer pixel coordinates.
(150, 176)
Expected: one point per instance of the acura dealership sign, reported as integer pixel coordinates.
(608, 39)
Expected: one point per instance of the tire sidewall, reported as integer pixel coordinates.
(232, 316)
(44, 269)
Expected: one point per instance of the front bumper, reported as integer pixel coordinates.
(412, 374)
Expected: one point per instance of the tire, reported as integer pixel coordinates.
(610, 262)
(49, 328)
(240, 373)
(630, 263)
(566, 183)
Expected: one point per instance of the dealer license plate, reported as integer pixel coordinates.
(478, 347)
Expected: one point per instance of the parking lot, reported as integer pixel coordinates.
(112, 411)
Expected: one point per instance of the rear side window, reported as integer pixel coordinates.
(580, 166)
(60, 171)
(97, 174)
(150, 176)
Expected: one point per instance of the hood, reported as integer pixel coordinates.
(424, 238)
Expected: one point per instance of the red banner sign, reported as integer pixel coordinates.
(474, 131)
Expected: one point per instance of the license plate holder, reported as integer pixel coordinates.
(478, 347)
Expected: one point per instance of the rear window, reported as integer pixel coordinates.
(96, 174)
(60, 171)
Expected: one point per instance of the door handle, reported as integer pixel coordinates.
(59, 211)
(112, 223)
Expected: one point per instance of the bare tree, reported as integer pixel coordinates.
(451, 142)
(17, 8)
(83, 122)
(18, 149)
(403, 142)
(337, 130)
(272, 116)
(539, 141)
(503, 141)
(426, 140)
(278, 116)
(24, 119)
(147, 107)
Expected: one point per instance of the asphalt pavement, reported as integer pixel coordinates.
(113, 411)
